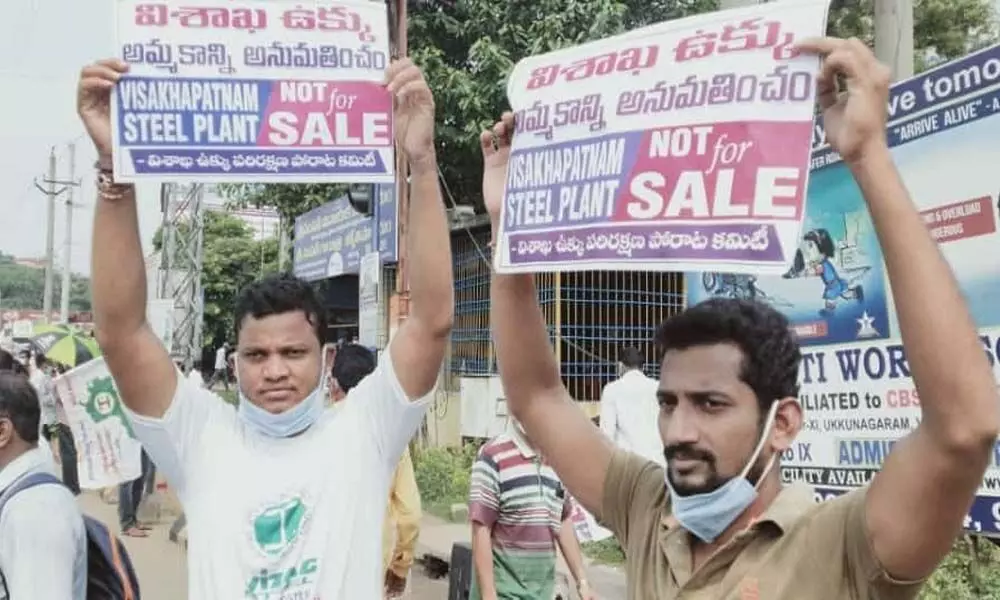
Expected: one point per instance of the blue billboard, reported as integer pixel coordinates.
(331, 239)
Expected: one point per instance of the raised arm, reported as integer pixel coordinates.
(143, 371)
(917, 503)
(528, 368)
(418, 348)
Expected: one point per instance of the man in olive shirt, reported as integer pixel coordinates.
(717, 525)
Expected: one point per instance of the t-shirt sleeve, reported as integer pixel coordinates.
(175, 441)
(390, 415)
(633, 491)
(840, 525)
(484, 490)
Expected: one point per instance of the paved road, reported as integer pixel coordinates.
(162, 569)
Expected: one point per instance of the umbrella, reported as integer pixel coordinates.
(64, 344)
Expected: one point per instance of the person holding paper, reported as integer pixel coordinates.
(273, 508)
(717, 522)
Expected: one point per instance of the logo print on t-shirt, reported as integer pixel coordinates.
(276, 528)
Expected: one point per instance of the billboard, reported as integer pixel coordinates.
(331, 239)
(856, 390)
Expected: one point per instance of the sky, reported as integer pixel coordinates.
(46, 43)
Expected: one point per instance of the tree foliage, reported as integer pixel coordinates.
(23, 287)
(232, 258)
(467, 49)
(942, 29)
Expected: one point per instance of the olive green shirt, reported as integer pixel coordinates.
(796, 550)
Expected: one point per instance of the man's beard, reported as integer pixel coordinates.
(713, 480)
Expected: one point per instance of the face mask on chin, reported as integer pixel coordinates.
(707, 515)
(291, 422)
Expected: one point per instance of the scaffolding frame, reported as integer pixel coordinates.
(183, 231)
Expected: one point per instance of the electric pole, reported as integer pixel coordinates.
(894, 36)
(50, 233)
(282, 244)
(50, 229)
(67, 275)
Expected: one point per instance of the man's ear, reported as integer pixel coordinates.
(787, 423)
(6, 432)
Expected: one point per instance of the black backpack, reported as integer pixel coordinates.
(110, 575)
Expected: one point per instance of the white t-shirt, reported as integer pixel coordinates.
(196, 378)
(284, 519)
(630, 413)
(43, 387)
(220, 358)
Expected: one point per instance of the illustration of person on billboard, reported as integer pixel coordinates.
(816, 257)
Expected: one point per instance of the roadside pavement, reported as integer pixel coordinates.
(160, 565)
(437, 537)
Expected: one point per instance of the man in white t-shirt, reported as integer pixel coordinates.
(630, 412)
(285, 495)
(221, 367)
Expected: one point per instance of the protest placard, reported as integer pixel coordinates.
(108, 452)
(681, 146)
(253, 90)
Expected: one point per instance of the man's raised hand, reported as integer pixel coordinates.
(93, 100)
(854, 119)
(495, 143)
(413, 113)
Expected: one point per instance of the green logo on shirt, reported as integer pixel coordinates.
(103, 403)
(277, 527)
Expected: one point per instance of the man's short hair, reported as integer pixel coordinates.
(631, 357)
(41, 360)
(771, 353)
(280, 294)
(19, 403)
(352, 363)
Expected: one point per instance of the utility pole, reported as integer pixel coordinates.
(402, 187)
(50, 229)
(282, 243)
(50, 234)
(894, 36)
(67, 275)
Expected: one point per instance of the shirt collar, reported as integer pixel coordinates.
(792, 502)
(32, 460)
(522, 444)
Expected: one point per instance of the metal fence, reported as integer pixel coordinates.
(591, 316)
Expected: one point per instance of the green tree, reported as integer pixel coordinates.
(23, 287)
(232, 259)
(942, 29)
(467, 49)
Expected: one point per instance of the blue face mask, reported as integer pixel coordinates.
(707, 515)
(294, 420)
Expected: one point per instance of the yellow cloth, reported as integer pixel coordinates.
(402, 519)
